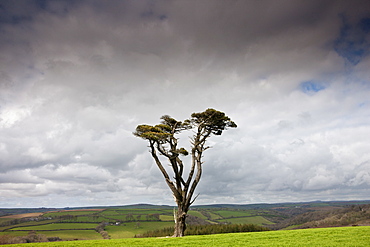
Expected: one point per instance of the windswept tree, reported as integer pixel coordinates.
(164, 143)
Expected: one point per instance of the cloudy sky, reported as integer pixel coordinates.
(77, 77)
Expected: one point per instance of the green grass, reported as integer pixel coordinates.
(57, 226)
(13, 234)
(197, 214)
(229, 213)
(323, 237)
(127, 217)
(214, 216)
(4, 220)
(109, 212)
(56, 214)
(133, 211)
(97, 219)
(129, 230)
(28, 223)
(257, 220)
(166, 217)
(291, 227)
(73, 234)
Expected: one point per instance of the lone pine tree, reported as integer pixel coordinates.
(162, 141)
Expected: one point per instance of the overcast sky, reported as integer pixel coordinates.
(77, 77)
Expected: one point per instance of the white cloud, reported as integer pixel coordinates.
(76, 79)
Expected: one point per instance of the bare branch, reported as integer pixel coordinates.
(194, 199)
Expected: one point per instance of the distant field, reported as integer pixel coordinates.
(122, 222)
(128, 230)
(126, 222)
(258, 220)
(230, 214)
(18, 216)
(57, 226)
(88, 218)
(63, 234)
(134, 211)
(27, 223)
(72, 212)
(73, 234)
(197, 214)
(323, 237)
(214, 216)
(166, 218)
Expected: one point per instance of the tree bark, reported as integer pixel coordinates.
(180, 225)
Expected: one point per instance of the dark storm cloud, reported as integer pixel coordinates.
(353, 42)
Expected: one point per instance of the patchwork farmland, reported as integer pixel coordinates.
(37, 225)
(118, 222)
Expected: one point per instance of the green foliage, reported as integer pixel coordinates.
(32, 237)
(101, 230)
(347, 216)
(152, 133)
(174, 125)
(206, 230)
(210, 120)
(213, 121)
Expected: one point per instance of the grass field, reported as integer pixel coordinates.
(123, 222)
(258, 220)
(57, 226)
(230, 214)
(133, 211)
(166, 218)
(128, 230)
(73, 234)
(96, 219)
(18, 216)
(323, 237)
(214, 216)
(80, 212)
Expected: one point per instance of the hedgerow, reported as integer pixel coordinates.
(206, 230)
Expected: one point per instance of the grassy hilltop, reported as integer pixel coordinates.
(148, 220)
(323, 237)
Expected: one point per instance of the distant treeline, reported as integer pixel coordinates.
(206, 230)
(32, 237)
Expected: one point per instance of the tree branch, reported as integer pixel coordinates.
(164, 172)
(194, 199)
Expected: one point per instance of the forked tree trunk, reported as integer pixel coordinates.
(162, 139)
(180, 225)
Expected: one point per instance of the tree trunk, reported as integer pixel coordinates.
(180, 226)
